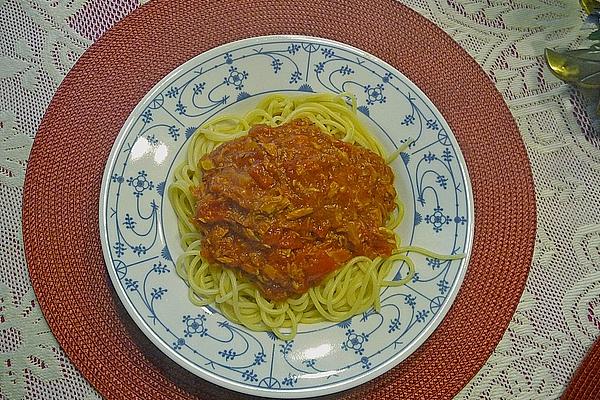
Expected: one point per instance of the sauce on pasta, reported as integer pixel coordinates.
(287, 205)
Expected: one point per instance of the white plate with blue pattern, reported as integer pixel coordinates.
(139, 230)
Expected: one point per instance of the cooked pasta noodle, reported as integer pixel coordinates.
(349, 290)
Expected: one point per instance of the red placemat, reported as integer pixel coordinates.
(585, 384)
(60, 215)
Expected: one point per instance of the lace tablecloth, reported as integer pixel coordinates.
(558, 316)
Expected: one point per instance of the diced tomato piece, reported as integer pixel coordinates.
(261, 176)
(318, 266)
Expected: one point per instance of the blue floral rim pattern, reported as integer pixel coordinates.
(139, 231)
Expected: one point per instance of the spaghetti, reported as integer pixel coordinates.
(347, 291)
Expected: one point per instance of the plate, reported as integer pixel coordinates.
(139, 229)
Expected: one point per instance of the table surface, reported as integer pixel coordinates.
(558, 317)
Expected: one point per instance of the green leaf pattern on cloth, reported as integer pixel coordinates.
(33, 347)
(14, 151)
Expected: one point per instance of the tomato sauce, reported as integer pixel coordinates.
(288, 205)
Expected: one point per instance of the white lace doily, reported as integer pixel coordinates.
(558, 316)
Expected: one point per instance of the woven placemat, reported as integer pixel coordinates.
(585, 384)
(60, 215)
